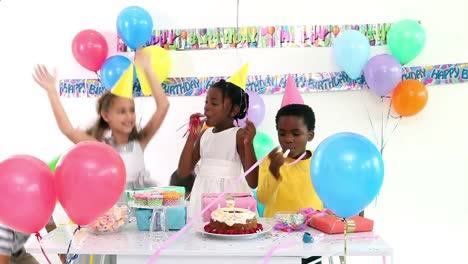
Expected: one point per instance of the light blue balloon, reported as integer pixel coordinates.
(347, 172)
(351, 50)
(112, 70)
(260, 207)
(134, 26)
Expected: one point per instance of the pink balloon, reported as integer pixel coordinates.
(256, 112)
(28, 193)
(89, 180)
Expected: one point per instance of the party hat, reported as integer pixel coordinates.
(291, 93)
(124, 86)
(240, 77)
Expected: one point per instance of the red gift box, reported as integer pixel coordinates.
(332, 224)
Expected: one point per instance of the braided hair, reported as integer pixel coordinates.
(237, 95)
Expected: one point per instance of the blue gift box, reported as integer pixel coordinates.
(176, 218)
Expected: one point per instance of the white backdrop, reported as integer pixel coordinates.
(422, 205)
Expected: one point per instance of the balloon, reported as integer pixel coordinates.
(28, 193)
(90, 49)
(53, 164)
(134, 26)
(409, 97)
(383, 73)
(113, 68)
(351, 50)
(89, 179)
(262, 144)
(406, 39)
(256, 111)
(347, 172)
(161, 64)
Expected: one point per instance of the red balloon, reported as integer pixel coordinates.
(89, 179)
(28, 193)
(90, 49)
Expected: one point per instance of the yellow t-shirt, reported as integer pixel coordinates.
(292, 191)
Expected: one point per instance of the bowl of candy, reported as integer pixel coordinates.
(290, 221)
(112, 221)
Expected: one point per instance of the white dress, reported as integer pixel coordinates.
(220, 166)
(134, 159)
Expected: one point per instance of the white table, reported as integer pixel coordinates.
(133, 246)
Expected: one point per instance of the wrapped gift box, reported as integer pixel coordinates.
(176, 218)
(332, 224)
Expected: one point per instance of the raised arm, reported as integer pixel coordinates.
(162, 103)
(48, 82)
(191, 153)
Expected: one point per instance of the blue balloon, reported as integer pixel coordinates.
(351, 50)
(347, 172)
(260, 207)
(134, 26)
(112, 70)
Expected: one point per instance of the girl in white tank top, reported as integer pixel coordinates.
(223, 150)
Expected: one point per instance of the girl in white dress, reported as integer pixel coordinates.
(224, 151)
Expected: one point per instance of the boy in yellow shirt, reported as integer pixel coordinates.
(289, 188)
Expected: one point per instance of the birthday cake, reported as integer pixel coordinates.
(233, 221)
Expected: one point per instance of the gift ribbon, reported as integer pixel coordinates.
(349, 227)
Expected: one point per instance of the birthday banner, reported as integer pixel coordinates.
(273, 84)
(259, 37)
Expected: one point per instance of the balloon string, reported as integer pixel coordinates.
(199, 214)
(382, 129)
(393, 130)
(388, 113)
(39, 238)
(70, 259)
(98, 76)
(369, 117)
(343, 260)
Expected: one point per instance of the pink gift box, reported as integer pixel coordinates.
(331, 224)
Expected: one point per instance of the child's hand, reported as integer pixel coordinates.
(142, 60)
(196, 124)
(44, 78)
(249, 133)
(276, 161)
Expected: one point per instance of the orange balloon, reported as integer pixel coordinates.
(271, 30)
(336, 30)
(409, 97)
(183, 35)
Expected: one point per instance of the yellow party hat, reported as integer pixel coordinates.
(240, 77)
(124, 86)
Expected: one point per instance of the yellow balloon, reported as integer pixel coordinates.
(161, 63)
